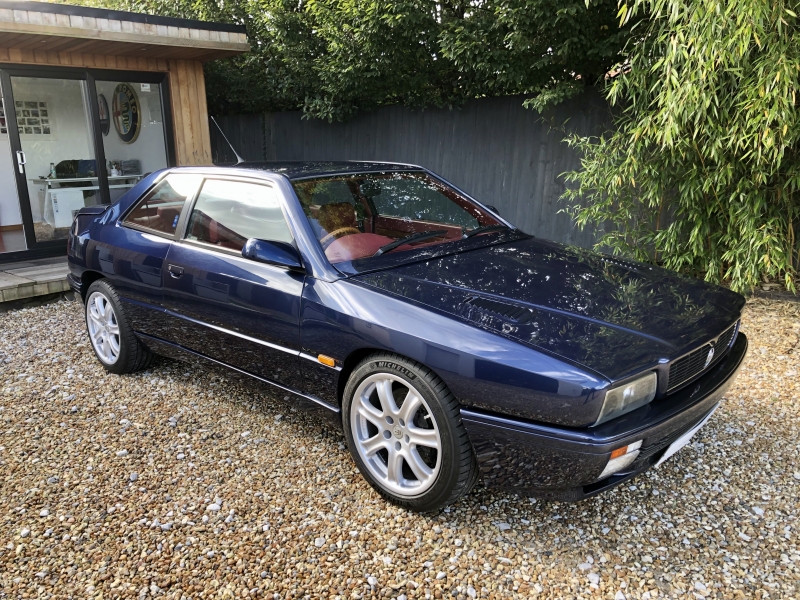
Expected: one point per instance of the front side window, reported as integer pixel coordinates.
(161, 208)
(365, 215)
(228, 213)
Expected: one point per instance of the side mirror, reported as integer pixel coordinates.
(492, 208)
(273, 253)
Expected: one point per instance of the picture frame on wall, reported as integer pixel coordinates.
(34, 119)
(105, 118)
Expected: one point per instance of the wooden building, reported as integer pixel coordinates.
(92, 100)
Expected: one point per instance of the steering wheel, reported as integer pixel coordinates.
(336, 234)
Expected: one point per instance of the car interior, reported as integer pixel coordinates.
(355, 216)
(160, 210)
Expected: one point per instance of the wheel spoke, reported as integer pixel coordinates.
(394, 467)
(113, 342)
(97, 336)
(94, 311)
(423, 437)
(370, 413)
(410, 406)
(417, 465)
(375, 443)
(101, 306)
(113, 329)
(106, 348)
(384, 389)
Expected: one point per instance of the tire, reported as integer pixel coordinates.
(415, 455)
(110, 333)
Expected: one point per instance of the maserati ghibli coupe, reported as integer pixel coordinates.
(447, 344)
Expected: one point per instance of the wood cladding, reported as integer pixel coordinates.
(186, 85)
(47, 31)
(189, 113)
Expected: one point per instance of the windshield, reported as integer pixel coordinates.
(370, 214)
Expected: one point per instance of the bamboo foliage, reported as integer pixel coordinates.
(702, 170)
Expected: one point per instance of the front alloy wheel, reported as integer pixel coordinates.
(395, 435)
(403, 427)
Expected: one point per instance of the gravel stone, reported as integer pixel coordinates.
(291, 482)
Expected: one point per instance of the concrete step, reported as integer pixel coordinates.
(29, 279)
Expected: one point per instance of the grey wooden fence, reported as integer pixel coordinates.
(492, 148)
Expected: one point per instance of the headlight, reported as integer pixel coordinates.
(628, 397)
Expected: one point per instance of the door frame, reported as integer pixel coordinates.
(90, 76)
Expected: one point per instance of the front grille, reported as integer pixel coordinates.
(693, 364)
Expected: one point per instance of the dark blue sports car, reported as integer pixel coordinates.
(448, 344)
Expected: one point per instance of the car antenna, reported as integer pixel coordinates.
(239, 159)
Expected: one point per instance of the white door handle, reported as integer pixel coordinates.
(21, 160)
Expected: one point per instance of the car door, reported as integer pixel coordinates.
(134, 263)
(234, 310)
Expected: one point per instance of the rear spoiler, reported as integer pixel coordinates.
(85, 215)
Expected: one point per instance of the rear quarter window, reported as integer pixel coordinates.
(160, 209)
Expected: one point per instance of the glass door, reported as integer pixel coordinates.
(12, 231)
(71, 138)
(56, 168)
(132, 123)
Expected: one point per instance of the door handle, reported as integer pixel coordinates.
(21, 161)
(175, 271)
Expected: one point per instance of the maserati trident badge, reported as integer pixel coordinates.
(710, 357)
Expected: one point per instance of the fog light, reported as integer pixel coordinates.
(621, 458)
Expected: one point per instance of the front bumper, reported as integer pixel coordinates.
(564, 464)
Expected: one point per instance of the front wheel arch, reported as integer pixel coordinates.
(349, 365)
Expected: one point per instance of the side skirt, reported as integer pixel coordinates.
(330, 414)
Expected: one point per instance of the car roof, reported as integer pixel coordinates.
(294, 170)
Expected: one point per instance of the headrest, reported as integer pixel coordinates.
(335, 216)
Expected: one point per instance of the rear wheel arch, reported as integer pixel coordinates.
(87, 279)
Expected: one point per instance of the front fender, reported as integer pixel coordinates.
(482, 369)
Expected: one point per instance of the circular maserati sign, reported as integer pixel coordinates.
(126, 113)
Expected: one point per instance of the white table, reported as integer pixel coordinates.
(59, 202)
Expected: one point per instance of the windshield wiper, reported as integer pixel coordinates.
(422, 235)
(483, 229)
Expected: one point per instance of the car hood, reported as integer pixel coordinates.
(610, 315)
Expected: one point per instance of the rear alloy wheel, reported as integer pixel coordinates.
(113, 340)
(405, 434)
(101, 320)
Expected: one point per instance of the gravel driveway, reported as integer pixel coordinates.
(177, 483)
